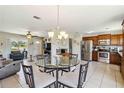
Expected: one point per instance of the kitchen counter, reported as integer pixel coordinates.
(114, 58)
(120, 53)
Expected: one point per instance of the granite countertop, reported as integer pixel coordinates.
(120, 53)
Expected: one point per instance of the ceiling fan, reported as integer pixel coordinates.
(29, 35)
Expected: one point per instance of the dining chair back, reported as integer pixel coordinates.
(45, 60)
(39, 57)
(73, 58)
(82, 74)
(29, 77)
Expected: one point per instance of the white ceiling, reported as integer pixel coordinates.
(82, 19)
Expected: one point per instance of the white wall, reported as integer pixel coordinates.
(76, 47)
(35, 48)
(5, 47)
(6, 39)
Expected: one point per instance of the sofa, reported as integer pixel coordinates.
(9, 69)
(16, 55)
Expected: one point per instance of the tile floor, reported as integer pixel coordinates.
(100, 75)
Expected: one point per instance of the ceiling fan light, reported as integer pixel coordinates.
(29, 36)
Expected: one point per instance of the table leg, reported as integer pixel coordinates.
(57, 75)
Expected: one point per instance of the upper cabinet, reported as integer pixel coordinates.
(116, 39)
(120, 42)
(93, 38)
(104, 36)
(87, 38)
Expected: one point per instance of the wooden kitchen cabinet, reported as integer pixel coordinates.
(114, 39)
(87, 38)
(120, 39)
(94, 56)
(117, 39)
(95, 40)
(104, 36)
(115, 58)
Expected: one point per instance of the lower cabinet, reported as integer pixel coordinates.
(94, 56)
(115, 58)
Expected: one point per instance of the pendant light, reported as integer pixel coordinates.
(62, 34)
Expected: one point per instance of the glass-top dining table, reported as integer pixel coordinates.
(57, 67)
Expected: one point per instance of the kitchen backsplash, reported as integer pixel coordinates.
(108, 48)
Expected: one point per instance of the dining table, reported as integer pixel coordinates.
(56, 67)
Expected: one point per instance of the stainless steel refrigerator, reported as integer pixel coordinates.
(87, 50)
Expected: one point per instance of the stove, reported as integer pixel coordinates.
(104, 56)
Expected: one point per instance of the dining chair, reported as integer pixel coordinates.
(44, 60)
(36, 79)
(75, 79)
(72, 59)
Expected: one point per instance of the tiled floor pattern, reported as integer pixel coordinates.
(100, 75)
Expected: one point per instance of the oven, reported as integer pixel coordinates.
(104, 57)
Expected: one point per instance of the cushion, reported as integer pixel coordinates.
(70, 79)
(42, 79)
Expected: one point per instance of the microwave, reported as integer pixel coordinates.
(104, 42)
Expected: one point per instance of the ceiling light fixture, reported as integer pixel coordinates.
(62, 34)
(29, 36)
